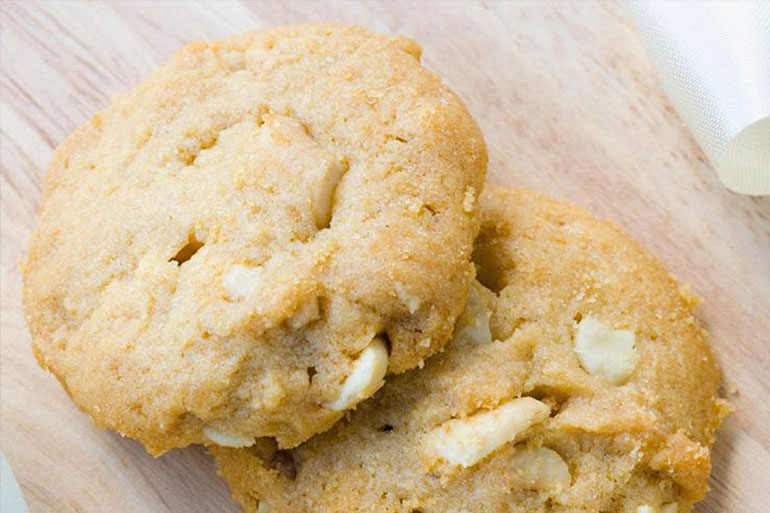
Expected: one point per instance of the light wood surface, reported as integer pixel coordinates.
(569, 105)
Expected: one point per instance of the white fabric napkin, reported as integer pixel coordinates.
(713, 60)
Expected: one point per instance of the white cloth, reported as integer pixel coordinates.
(713, 60)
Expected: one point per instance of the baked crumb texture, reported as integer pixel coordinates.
(577, 380)
(218, 247)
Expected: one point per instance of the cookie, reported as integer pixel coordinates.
(247, 242)
(577, 380)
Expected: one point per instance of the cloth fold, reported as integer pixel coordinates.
(713, 60)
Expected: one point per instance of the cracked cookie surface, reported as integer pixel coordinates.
(245, 243)
(577, 381)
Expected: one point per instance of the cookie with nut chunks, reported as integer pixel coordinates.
(246, 243)
(577, 380)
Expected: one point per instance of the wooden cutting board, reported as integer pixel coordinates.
(569, 105)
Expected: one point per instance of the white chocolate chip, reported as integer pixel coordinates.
(264, 507)
(605, 352)
(469, 199)
(305, 313)
(365, 378)
(541, 468)
(242, 281)
(411, 302)
(227, 439)
(324, 184)
(271, 394)
(671, 507)
(466, 441)
(318, 171)
(473, 323)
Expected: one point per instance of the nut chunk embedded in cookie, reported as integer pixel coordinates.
(605, 352)
(365, 378)
(467, 441)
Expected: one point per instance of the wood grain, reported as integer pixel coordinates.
(569, 105)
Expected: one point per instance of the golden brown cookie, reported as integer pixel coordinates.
(245, 243)
(577, 381)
